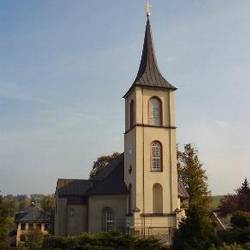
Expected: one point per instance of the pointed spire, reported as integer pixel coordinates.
(148, 6)
(149, 74)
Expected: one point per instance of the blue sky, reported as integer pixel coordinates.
(64, 66)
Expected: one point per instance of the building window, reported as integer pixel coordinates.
(22, 226)
(156, 156)
(130, 169)
(39, 226)
(31, 226)
(46, 227)
(108, 219)
(157, 199)
(155, 111)
(72, 212)
(22, 237)
(132, 113)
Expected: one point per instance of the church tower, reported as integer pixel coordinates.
(150, 170)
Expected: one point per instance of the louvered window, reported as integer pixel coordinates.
(155, 112)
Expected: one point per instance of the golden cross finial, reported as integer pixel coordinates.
(148, 8)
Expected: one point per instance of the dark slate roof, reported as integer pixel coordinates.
(72, 187)
(32, 214)
(109, 181)
(149, 74)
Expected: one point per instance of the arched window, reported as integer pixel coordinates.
(156, 156)
(132, 113)
(130, 199)
(157, 199)
(155, 112)
(108, 219)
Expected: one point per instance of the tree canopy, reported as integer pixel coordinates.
(239, 201)
(193, 176)
(101, 163)
(196, 231)
(5, 224)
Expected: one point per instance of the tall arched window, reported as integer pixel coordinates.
(108, 219)
(157, 199)
(155, 112)
(156, 156)
(132, 113)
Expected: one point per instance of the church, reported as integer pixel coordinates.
(138, 192)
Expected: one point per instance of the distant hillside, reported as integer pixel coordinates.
(216, 201)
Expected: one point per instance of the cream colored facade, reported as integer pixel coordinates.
(72, 219)
(23, 229)
(118, 204)
(137, 144)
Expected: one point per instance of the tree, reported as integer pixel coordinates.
(241, 219)
(5, 225)
(193, 176)
(34, 240)
(101, 163)
(196, 231)
(48, 205)
(24, 201)
(243, 194)
(240, 201)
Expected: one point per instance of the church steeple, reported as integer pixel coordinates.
(150, 169)
(149, 74)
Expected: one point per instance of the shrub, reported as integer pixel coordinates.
(227, 247)
(239, 235)
(101, 241)
(196, 232)
(241, 219)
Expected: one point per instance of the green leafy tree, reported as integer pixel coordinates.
(196, 231)
(5, 225)
(34, 240)
(12, 204)
(24, 202)
(243, 196)
(48, 205)
(241, 219)
(101, 163)
(194, 177)
(239, 201)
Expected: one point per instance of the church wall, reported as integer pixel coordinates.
(129, 161)
(77, 219)
(61, 216)
(138, 154)
(96, 206)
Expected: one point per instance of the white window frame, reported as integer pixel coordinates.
(156, 158)
(109, 220)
